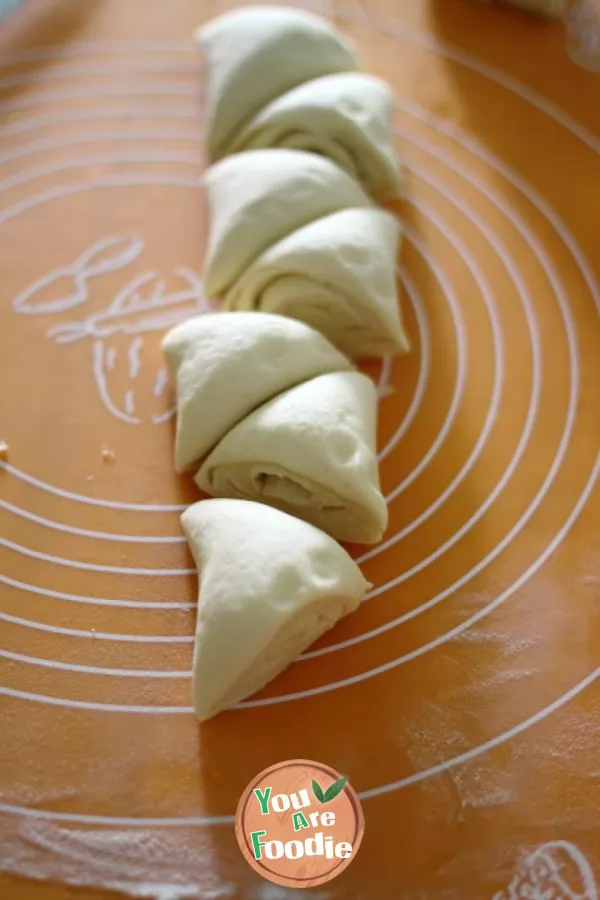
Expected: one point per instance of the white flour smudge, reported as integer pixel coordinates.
(162, 865)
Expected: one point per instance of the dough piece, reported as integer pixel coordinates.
(257, 198)
(270, 585)
(224, 365)
(256, 54)
(346, 117)
(310, 452)
(337, 274)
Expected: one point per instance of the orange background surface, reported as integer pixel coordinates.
(462, 699)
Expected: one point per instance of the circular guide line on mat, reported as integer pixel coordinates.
(395, 538)
(355, 679)
(460, 248)
(458, 392)
(94, 70)
(92, 115)
(394, 785)
(132, 180)
(423, 376)
(409, 615)
(364, 795)
(570, 248)
(259, 701)
(328, 649)
(411, 412)
(586, 274)
(98, 601)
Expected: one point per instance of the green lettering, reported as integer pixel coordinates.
(263, 799)
(257, 843)
(300, 821)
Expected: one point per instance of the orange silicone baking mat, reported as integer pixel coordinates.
(463, 698)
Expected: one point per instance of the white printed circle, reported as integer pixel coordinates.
(433, 197)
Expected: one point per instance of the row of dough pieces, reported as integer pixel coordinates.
(269, 404)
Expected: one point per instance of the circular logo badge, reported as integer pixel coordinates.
(299, 823)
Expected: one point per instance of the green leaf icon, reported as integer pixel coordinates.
(334, 789)
(317, 791)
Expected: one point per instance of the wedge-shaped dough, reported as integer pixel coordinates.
(255, 54)
(257, 198)
(224, 365)
(310, 452)
(270, 585)
(346, 117)
(337, 274)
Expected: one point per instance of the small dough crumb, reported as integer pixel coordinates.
(4, 449)
(108, 455)
(89, 477)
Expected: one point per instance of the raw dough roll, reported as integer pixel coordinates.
(257, 198)
(337, 274)
(270, 585)
(346, 117)
(256, 54)
(225, 365)
(309, 452)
